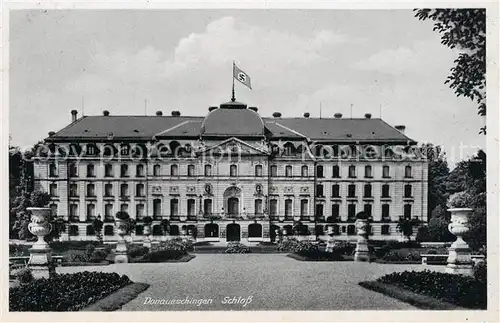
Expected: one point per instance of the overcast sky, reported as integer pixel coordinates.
(182, 60)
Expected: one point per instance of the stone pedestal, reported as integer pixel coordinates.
(146, 242)
(331, 242)
(40, 262)
(459, 255)
(121, 255)
(362, 253)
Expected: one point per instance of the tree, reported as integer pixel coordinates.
(464, 29)
(165, 226)
(438, 173)
(405, 226)
(438, 226)
(97, 224)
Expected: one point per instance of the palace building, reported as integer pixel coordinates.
(233, 175)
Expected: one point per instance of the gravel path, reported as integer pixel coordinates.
(272, 281)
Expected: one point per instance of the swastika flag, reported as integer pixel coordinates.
(241, 76)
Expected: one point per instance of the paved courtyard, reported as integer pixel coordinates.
(273, 281)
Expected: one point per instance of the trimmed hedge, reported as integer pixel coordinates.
(319, 255)
(236, 247)
(456, 289)
(65, 292)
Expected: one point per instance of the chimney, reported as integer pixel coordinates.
(73, 115)
(105, 113)
(211, 108)
(368, 115)
(277, 114)
(254, 109)
(159, 113)
(401, 128)
(51, 133)
(175, 113)
(337, 115)
(306, 115)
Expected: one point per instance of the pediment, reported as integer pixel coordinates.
(236, 146)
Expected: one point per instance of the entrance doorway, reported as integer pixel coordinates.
(233, 232)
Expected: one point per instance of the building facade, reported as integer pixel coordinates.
(232, 175)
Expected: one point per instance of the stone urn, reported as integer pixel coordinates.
(40, 261)
(121, 255)
(362, 253)
(459, 255)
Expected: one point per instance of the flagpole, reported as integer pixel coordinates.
(233, 98)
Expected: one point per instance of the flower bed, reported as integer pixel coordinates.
(170, 250)
(65, 292)
(236, 247)
(456, 289)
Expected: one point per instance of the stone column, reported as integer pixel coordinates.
(362, 252)
(40, 262)
(459, 255)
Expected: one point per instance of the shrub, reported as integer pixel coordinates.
(320, 255)
(99, 255)
(24, 276)
(137, 251)
(65, 292)
(236, 247)
(397, 255)
(460, 200)
(343, 247)
(480, 271)
(76, 256)
(456, 289)
(162, 255)
(288, 245)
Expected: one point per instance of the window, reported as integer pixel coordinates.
(208, 170)
(273, 207)
(368, 190)
(351, 212)
(336, 171)
(53, 190)
(255, 230)
(211, 230)
(385, 212)
(174, 207)
(125, 149)
(288, 208)
(91, 149)
(108, 170)
(139, 171)
(53, 210)
(407, 211)
(109, 230)
(408, 190)
(368, 210)
(336, 211)
(108, 189)
(274, 171)
(335, 190)
(233, 171)
(52, 170)
(124, 207)
(191, 207)
(304, 205)
(319, 190)
(408, 172)
(90, 170)
(319, 210)
(73, 170)
(386, 230)
(139, 190)
(73, 210)
(108, 211)
(174, 230)
(73, 230)
(90, 190)
(385, 190)
(90, 211)
(258, 170)
(385, 172)
(351, 230)
(352, 171)
(351, 190)
(207, 207)
(156, 208)
(139, 211)
(190, 170)
(258, 207)
(304, 171)
(124, 190)
(73, 190)
(319, 171)
(368, 171)
(124, 170)
(156, 170)
(157, 231)
(174, 170)
(288, 171)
